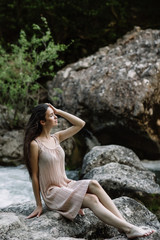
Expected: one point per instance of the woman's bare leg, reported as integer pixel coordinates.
(92, 202)
(96, 189)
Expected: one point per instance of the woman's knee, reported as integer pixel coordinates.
(93, 185)
(90, 200)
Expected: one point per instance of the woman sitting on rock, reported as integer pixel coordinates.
(44, 159)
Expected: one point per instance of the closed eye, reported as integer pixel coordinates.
(51, 114)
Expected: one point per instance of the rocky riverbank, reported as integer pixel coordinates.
(117, 92)
(121, 173)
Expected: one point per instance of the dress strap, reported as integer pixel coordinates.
(42, 146)
(39, 143)
(55, 138)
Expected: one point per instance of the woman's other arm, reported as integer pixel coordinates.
(35, 181)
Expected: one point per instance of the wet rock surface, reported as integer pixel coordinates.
(117, 91)
(50, 225)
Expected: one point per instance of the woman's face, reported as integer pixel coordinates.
(51, 118)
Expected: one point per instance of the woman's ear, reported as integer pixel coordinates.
(42, 122)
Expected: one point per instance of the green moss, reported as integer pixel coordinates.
(152, 202)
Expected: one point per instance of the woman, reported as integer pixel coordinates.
(44, 159)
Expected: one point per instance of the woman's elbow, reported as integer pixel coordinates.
(83, 124)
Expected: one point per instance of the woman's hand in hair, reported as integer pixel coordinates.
(54, 109)
(36, 213)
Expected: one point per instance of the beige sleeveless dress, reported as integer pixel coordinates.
(58, 192)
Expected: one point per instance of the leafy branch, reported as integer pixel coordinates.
(27, 61)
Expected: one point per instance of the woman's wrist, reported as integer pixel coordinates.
(39, 205)
(59, 112)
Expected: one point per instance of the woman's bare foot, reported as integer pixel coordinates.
(81, 212)
(139, 232)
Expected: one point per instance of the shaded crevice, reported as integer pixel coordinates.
(142, 145)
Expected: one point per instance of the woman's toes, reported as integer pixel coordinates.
(139, 232)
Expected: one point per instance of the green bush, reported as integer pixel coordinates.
(26, 62)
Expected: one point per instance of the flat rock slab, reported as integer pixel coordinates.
(51, 225)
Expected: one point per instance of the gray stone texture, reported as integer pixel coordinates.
(120, 172)
(117, 91)
(101, 155)
(50, 225)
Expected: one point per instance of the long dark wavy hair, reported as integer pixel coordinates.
(33, 130)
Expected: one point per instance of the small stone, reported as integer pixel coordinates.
(128, 63)
(145, 81)
(158, 65)
(66, 72)
(151, 111)
(131, 74)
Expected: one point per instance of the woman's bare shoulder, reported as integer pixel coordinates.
(34, 144)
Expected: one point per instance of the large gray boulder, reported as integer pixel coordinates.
(120, 172)
(119, 179)
(117, 91)
(101, 155)
(50, 225)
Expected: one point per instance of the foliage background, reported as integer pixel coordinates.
(21, 69)
(90, 23)
(73, 29)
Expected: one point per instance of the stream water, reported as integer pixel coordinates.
(153, 166)
(16, 187)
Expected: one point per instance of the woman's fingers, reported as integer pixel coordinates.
(34, 214)
(54, 109)
(39, 214)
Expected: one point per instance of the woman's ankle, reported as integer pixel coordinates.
(127, 229)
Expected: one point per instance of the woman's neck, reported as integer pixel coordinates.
(45, 134)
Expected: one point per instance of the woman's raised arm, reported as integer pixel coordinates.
(77, 123)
